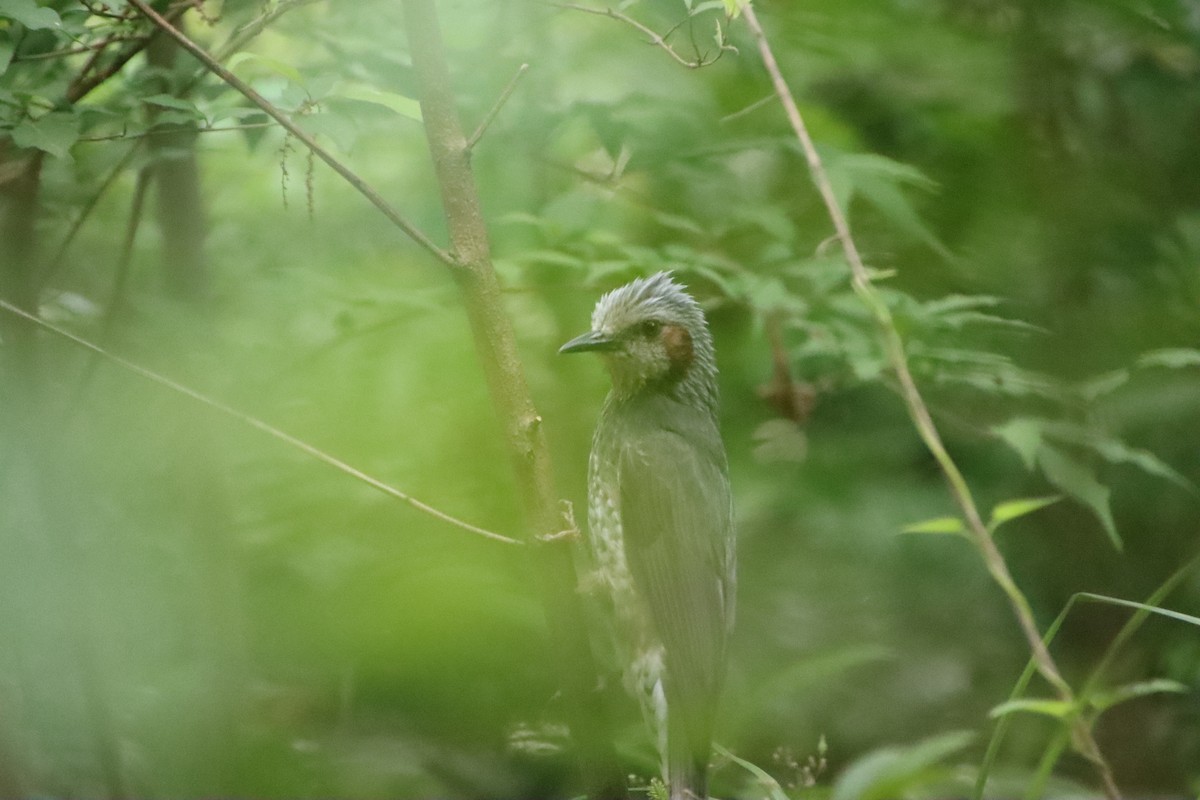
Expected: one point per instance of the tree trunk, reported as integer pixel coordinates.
(496, 346)
(179, 203)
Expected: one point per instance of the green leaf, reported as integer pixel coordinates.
(1116, 601)
(780, 440)
(1117, 452)
(1023, 435)
(734, 7)
(878, 179)
(404, 106)
(937, 525)
(895, 771)
(1132, 691)
(339, 128)
(1172, 358)
(1104, 384)
(1079, 481)
(1059, 709)
(6, 54)
(169, 101)
(1114, 451)
(1011, 509)
(271, 64)
(54, 133)
(772, 787)
(30, 14)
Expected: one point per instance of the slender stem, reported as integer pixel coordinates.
(254, 422)
(130, 137)
(283, 119)
(656, 39)
(919, 412)
(74, 51)
(500, 101)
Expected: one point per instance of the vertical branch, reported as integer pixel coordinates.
(18, 245)
(922, 420)
(497, 349)
(179, 202)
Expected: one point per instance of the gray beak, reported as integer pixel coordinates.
(592, 340)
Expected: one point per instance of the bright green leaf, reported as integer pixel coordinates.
(1172, 358)
(271, 64)
(6, 54)
(780, 440)
(1059, 709)
(1079, 481)
(1023, 435)
(1117, 452)
(734, 7)
(169, 101)
(1011, 509)
(30, 14)
(1116, 601)
(938, 525)
(1104, 384)
(1132, 691)
(54, 133)
(961, 302)
(404, 106)
(892, 771)
(773, 789)
(878, 180)
(1114, 451)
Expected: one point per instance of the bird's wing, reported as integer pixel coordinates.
(677, 525)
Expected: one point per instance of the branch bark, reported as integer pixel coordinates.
(497, 349)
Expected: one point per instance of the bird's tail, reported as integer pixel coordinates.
(688, 780)
(689, 743)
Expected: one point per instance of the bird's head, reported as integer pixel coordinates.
(653, 336)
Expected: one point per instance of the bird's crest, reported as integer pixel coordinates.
(655, 297)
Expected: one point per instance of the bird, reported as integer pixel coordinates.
(660, 514)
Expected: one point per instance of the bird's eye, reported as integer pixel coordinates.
(650, 328)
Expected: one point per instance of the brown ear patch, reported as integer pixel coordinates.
(680, 351)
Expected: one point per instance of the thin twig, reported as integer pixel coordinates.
(500, 101)
(83, 83)
(655, 38)
(254, 422)
(919, 412)
(74, 51)
(254, 27)
(757, 104)
(365, 189)
(117, 137)
(60, 255)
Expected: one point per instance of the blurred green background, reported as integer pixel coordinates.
(190, 608)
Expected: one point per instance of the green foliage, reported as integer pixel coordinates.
(1012, 509)
(266, 627)
(938, 525)
(898, 771)
(30, 14)
(766, 783)
(54, 133)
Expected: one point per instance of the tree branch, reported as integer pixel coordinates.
(365, 189)
(496, 345)
(655, 38)
(500, 101)
(919, 412)
(254, 422)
